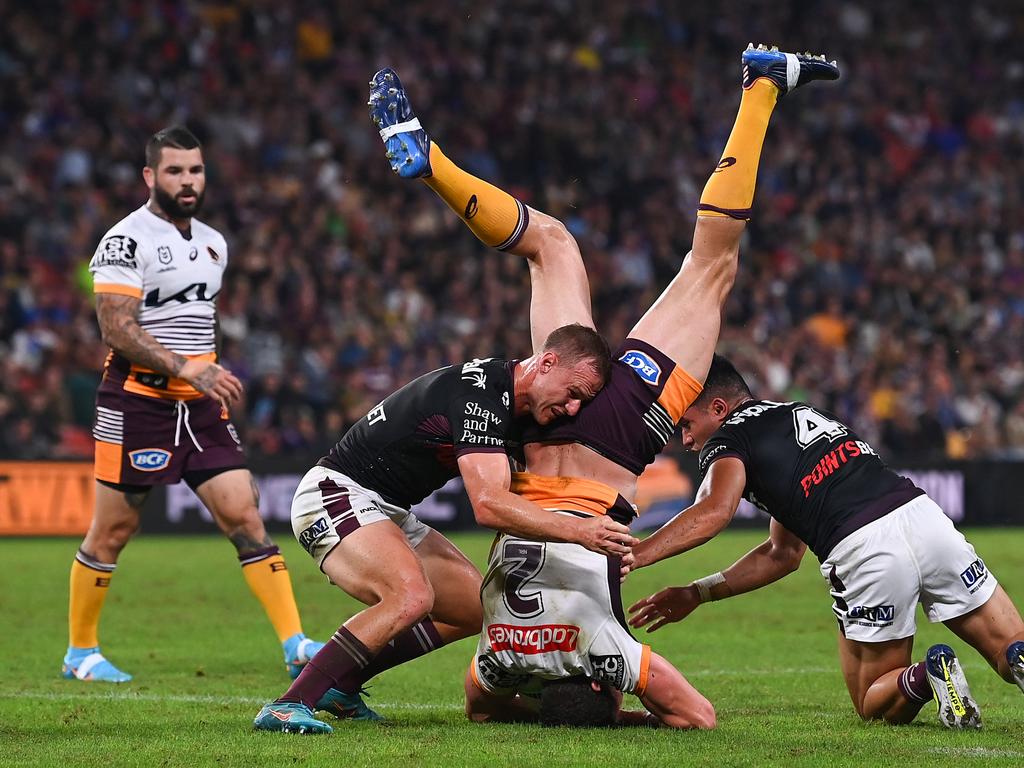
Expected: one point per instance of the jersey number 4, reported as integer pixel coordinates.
(522, 561)
(811, 426)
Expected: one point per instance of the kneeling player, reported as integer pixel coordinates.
(883, 544)
(555, 646)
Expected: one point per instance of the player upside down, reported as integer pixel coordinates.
(588, 465)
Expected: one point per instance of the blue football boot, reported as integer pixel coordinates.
(89, 664)
(786, 70)
(406, 144)
(298, 649)
(347, 706)
(1015, 657)
(956, 707)
(287, 717)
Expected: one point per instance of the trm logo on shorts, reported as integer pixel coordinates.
(309, 537)
(974, 575)
(872, 615)
(643, 366)
(150, 459)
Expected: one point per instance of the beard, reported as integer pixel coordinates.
(173, 207)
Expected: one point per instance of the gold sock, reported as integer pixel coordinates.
(730, 190)
(493, 215)
(267, 576)
(90, 581)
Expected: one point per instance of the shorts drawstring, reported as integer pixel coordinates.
(181, 416)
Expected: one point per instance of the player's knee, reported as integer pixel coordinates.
(552, 235)
(413, 603)
(105, 543)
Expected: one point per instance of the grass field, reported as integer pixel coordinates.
(180, 618)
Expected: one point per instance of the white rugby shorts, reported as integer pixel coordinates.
(329, 505)
(553, 610)
(879, 573)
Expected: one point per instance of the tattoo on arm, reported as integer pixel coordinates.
(245, 543)
(118, 319)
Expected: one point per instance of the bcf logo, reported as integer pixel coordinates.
(643, 366)
(150, 459)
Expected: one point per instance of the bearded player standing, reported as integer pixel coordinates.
(162, 406)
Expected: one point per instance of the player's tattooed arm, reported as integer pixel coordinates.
(118, 318)
(119, 324)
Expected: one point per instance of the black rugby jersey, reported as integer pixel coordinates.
(632, 418)
(406, 447)
(808, 471)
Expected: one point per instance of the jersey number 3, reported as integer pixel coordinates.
(522, 561)
(811, 426)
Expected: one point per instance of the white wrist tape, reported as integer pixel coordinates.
(704, 586)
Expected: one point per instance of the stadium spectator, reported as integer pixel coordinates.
(883, 278)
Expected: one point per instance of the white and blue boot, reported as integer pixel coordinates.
(786, 70)
(90, 665)
(956, 707)
(406, 144)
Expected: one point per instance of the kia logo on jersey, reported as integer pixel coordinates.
(150, 459)
(643, 366)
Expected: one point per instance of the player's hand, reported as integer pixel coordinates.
(625, 566)
(603, 535)
(670, 605)
(212, 380)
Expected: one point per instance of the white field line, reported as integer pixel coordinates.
(129, 695)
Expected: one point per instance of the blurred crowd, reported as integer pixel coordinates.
(882, 275)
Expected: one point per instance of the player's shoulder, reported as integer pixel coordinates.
(208, 234)
(133, 225)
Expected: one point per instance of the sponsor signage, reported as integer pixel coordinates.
(56, 498)
(543, 638)
(45, 498)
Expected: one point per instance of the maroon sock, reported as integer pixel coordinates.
(913, 683)
(343, 656)
(418, 640)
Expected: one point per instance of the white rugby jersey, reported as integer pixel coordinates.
(553, 610)
(177, 281)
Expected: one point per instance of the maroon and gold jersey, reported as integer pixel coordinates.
(633, 417)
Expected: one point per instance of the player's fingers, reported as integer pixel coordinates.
(639, 604)
(614, 527)
(659, 625)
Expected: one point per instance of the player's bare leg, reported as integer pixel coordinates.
(996, 631)
(233, 499)
(561, 292)
(456, 613)
(872, 672)
(673, 700)
(115, 520)
(885, 685)
(375, 565)
(693, 300)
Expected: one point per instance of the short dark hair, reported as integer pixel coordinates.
(723, 381)
(572, 702)
(575, 343)
(175, 136)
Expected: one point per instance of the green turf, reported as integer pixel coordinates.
(179, 617)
